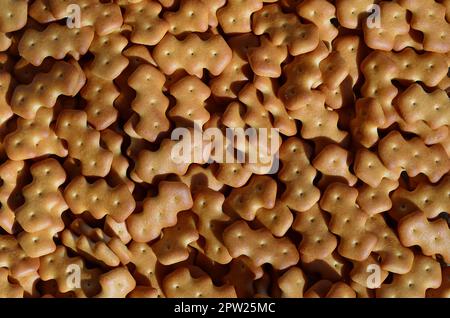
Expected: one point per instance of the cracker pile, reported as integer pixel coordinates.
(91, 204)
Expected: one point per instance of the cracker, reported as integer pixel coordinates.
(159, 212)
(62, 79)
(40, 215)
(55, 41)
(82, 139)
(181, 284)
(259, 245)
(104, 17)
(348, 221)
(425, 274)
(34, 138)
(99, 199)
(13, 16)
(147, 27)
(192, 54)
